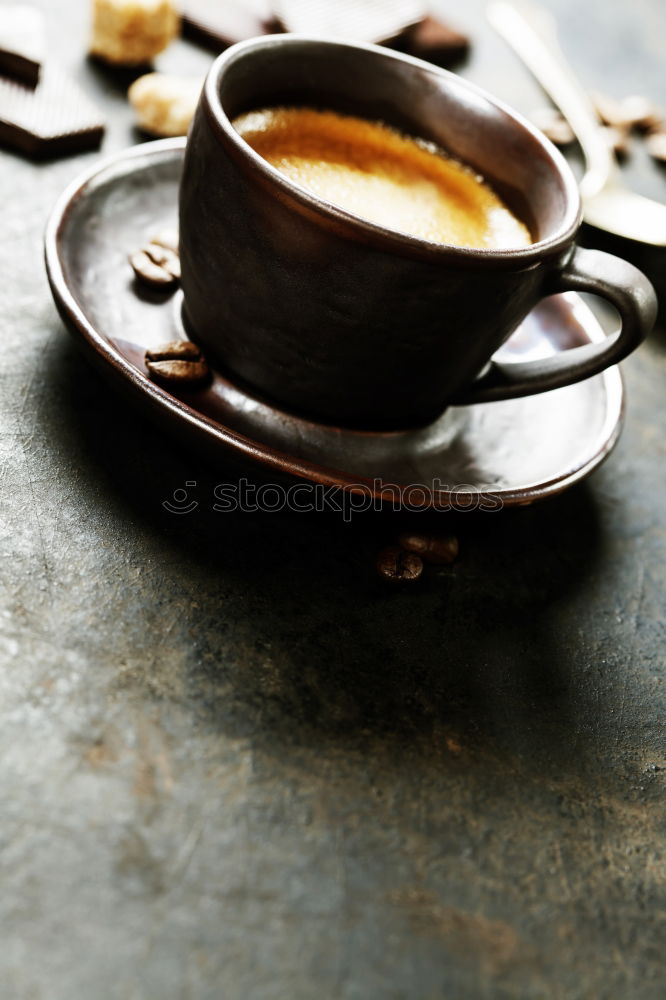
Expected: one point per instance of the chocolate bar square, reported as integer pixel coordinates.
(22, 43)
(54, 119)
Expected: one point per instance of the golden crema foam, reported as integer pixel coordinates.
(374, 172)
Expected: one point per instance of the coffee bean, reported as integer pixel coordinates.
(156, 265)
(609, 111)
(174, 349)
(178, 362)
(554, 126)
(439, 550)
(641, 114)
(618, 141)
(167, 238)
(656, 146)
(635, 112)
(398, 566)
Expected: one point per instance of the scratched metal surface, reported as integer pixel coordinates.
(233, 766)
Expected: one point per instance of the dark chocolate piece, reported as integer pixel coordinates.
(22, 43)
(378, 21)
(54, 119)
(216, 24)
(437, 42)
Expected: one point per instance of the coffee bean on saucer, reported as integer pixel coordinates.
(167, 238)
(656, 146)
(397, 566)
(178, 362)
(554, 126)
(156, 265)
(179, 372)
(172, 350)
(439, 550)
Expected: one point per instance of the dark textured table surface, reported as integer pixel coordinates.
(234, 766)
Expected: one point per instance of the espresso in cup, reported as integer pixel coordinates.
(373, 171)
(382, 324)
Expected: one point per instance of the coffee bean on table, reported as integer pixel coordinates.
(618, 141)
(635, 112)
(397, 566)
(156, 265)
(177, 362)
(656, 146)
(554, 126)
(609, 111)
(641, 114)
(440, 550)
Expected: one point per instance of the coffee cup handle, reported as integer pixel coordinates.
(615, 280)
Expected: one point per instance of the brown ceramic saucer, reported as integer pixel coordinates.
(515, 451)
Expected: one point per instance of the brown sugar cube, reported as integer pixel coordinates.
(165, 104)
(132, 32)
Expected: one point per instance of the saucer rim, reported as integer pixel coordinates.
(210, 432)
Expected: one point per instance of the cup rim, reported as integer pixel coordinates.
(374, 232)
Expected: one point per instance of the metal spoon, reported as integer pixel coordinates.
(607, 204)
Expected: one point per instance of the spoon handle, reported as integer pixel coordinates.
(530, 31)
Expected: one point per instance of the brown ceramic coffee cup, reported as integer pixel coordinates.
(346, 321)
